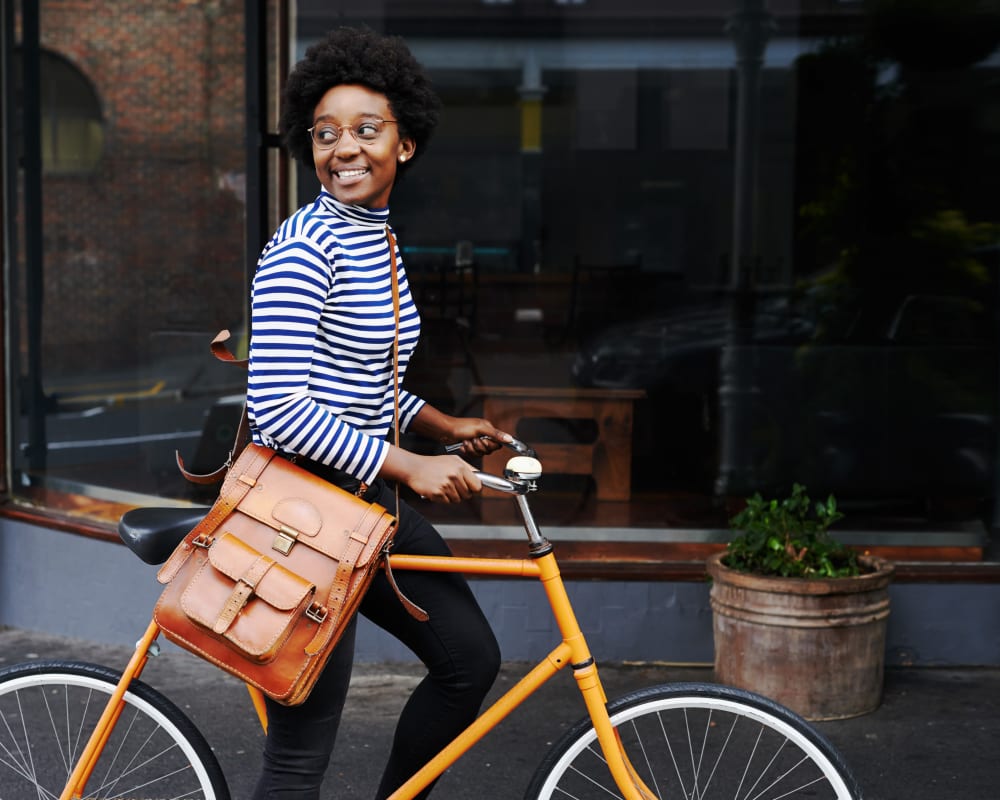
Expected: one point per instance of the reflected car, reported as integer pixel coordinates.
(867, 401)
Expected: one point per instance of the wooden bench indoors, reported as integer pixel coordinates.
(608, 458)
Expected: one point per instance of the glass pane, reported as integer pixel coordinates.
(712, 253)
(125, 270)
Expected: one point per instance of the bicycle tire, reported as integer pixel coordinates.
(700, 741)
(47, 712)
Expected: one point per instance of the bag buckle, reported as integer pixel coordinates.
(284, 540)
(203, 540)
(317, 613)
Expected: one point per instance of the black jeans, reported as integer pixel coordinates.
(456, 644)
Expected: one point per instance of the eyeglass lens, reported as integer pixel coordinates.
(327, 134)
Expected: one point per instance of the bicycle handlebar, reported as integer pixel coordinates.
(496, 482)
(516, 445)
(524, 467)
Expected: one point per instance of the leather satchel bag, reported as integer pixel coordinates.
(264, 586)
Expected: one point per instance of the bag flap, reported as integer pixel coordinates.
(271, 582)
(299, 514)
(321, 515)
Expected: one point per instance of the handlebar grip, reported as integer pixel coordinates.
(496, 482)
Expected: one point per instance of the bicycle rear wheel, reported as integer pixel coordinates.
(47, 712)
(700, 741)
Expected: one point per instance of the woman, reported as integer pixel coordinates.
(360, 110)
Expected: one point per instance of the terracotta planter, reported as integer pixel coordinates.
(815, 646)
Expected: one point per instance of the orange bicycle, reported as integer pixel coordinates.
(74, 730)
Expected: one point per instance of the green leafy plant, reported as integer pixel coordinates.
(788, 537)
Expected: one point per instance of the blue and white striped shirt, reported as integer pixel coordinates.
(320, 381)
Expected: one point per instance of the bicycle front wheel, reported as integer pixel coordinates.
(699, 741)
(47, 712)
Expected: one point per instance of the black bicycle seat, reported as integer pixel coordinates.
(154, 533)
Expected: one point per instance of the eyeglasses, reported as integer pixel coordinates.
(327, 134)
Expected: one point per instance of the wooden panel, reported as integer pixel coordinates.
(608, 458)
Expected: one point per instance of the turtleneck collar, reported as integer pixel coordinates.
(367, 217)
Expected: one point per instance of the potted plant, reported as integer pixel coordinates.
(798, 616)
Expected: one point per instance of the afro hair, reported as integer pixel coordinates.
(358, 56)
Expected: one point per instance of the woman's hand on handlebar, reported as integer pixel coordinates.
(468, 436)
(443, 479)
(472, 437)
(447, 478)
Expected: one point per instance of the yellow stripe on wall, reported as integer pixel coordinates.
(531, 125)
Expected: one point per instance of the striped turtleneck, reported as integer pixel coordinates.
(320, 381)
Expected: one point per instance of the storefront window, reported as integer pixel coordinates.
(126, 250)
(688, 250)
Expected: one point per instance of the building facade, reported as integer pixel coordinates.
(690, 250)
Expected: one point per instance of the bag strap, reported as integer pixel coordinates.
(245, 472)
(395, 347)
(221, 351)
(412, 608)
(334, 608)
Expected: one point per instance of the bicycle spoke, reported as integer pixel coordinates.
(134, 765)
(18, 760)
(645, 757)
(703, 791)
(599, 755)
(30, 764)
(594, 783)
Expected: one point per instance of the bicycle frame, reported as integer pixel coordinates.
(572, 651)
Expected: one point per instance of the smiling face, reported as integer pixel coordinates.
(358, 173)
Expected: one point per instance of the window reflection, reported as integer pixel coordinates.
(127, 233)
(768, 232)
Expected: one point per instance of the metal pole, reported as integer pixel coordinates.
(33, 392)
(750, 28)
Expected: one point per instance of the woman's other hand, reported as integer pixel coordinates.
(447, 478)
(477, 437)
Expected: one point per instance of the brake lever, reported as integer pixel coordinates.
(521, 448)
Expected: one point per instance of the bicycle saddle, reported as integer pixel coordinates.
(153, 533)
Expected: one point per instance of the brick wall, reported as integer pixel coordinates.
(152, 241)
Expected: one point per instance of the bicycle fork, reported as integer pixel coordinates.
(85, 764)
(589, 683)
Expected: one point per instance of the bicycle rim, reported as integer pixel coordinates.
(700, 742)
(47, 712)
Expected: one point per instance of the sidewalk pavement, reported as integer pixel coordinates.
(936, 735)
